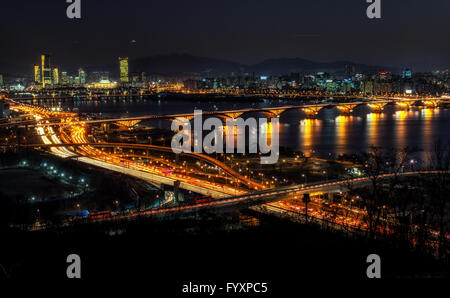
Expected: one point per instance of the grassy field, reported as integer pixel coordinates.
(28, 182)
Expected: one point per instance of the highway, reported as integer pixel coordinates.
(153, 178)
(59, 144)
(73, 135)
(76, 137)
(202, 157)
(267, 196)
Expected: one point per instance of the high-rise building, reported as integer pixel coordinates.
(367, 87)
(123, 62)
(104, 76)
(82, 76)
(46, 71)
(1, 81)
(407, 73)
(64, 78)
(55, 76)
(350, 70)
(93, 77)
(37, 74)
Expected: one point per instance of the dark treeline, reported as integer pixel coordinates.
(410, 211)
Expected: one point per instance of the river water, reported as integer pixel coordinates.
(331, 133)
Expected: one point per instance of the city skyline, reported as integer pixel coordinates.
(410, 33)
(209, 147)
(290, 77)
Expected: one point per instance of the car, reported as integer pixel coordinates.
(99, 215)
(204, 199)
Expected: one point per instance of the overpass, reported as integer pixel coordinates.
(197, 156)
(153, 179)
(263, 197)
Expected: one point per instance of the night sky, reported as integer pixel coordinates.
(413, 33)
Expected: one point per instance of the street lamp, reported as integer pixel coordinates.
(412, 162)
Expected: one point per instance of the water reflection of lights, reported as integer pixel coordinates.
(342, 132)
(427, 130)
(373, 120)
(429, 113)
(308, 129)
(269, 128)
(401, 127)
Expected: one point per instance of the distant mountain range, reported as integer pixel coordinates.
(184, 64)
(177, 64)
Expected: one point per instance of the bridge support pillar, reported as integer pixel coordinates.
(406, 104)
(431, 104)
(377, 107)
(273, 113)
(277, 113)
(128, 124)
(346, 109)
(311, 112)
(234, 115)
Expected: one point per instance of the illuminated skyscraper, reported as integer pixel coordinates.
(37, 74)
(55, 76)
(46, 71)
(64, 78)
(82, 76)
(1, 81)
(123, 62)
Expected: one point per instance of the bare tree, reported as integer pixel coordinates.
(379, 196)
(439, 189)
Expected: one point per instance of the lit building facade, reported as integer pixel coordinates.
(64, 79)
(103, 84)
(82, 76)
(123, 63)
(37, 75)
(55, 76)
(46, 69)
